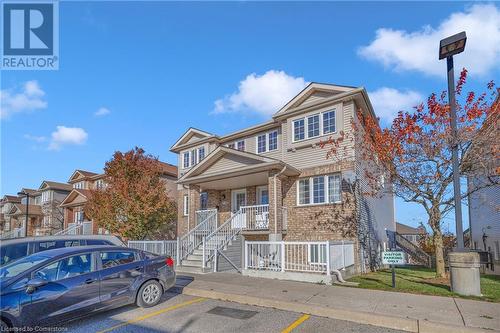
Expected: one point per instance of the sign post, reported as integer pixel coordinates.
(393, 258)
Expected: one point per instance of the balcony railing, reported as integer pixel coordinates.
(252, 218)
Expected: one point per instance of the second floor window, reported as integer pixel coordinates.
(298, 130)
(261, 143)
(193, 157)
(201, 154)
(185, 158)
(329, 122)
(79, 185)
(46, 196)
(313, 126)
(240, 145)
(273, 140)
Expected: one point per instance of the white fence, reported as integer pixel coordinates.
(311, 257)
(14, 233)
(158, 247)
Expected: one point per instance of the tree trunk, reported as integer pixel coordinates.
(438, 252)
(435, 223)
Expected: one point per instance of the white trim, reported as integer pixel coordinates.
(258, 191)
(233, 197)
(305, 118)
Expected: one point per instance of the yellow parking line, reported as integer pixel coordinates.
(296, 323)
(152, 314)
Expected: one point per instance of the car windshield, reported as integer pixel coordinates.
(19, 266)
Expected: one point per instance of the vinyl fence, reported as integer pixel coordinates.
(161, 247)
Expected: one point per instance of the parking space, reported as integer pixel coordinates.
(182, 313)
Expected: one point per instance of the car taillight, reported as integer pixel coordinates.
(169, 262)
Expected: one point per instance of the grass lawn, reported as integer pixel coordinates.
(423, 281)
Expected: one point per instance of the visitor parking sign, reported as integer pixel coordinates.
(393, 258)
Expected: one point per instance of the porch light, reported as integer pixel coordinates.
(452, 45)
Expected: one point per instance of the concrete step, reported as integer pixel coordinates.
(188, 269)
(193, 263)
(198, 257)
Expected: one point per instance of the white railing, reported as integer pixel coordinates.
(252, 218)
(309, 257)
(218, 239)
(84, 228)
(194, 238)
(160, 247)
(203, 214)
(14, 233)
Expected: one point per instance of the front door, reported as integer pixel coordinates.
(238, 199)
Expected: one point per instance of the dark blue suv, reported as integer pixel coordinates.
(63, 284)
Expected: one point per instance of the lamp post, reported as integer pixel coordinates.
(27, 210)
(448, 47)
(464, 266)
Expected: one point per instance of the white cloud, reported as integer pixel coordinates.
(67, 136)
(264, 94)
(29, 98)
(387, 102)
(418, 51)
(102, 112)
(35, 138)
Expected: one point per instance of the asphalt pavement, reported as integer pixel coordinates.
(190, 314)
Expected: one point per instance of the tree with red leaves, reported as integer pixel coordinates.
(134, 203)
(414, 153)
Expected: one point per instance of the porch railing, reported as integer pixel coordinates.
(160, 247)
(309, 257)
(253, 218)
(203, 214)
(14, 233)
(194, 238)
(84, 228)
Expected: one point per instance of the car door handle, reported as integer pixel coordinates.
(138, 268)
(89, 281)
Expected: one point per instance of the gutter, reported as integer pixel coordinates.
(274, 197)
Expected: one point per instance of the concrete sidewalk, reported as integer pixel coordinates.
(413, 313)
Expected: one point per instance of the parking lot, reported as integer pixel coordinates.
(182, 313)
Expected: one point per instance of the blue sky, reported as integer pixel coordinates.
(139, 74)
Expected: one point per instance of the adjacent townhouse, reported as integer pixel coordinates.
(6, 204)
(272, 182)
(410, 233)
(82, 183)
(51, 195)
(484, 200)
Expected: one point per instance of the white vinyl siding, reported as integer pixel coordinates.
(312, 124)
(185, 207)
(325, 189)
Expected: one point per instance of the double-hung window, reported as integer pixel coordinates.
(298, 130)
(329, 122)
(230, 145)
(261, 143)
(267, 142)
(240, 145)
(193, 157)
(319, 189)
(317, 253)
(273, 140)
(185, 160)
(201, 154)
(314, 126)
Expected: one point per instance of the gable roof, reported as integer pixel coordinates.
(404, 229)
(11, 198)
(241, 163)
(309, 90)
(73, 195)
(168, 169)
(77, 174)
(189, 134)
(20, 209)
(48, 184)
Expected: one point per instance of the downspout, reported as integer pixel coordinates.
(275, 198)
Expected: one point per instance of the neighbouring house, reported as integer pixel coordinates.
(82, 182)
(272, 187)
(51, 195)
(16, 212)
(484, 200)
(6, 219)
(412, 234)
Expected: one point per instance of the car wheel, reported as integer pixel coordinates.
(3, 326)
(149, 294)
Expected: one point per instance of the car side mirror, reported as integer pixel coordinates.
(35, 283)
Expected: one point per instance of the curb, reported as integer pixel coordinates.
(397, 323)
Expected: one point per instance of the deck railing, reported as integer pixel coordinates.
(309, 257)
(14, 233)
(253, 218)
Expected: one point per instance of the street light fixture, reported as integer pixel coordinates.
(27, 195)
(448, 47)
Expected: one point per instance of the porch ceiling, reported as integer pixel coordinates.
(260, 178)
